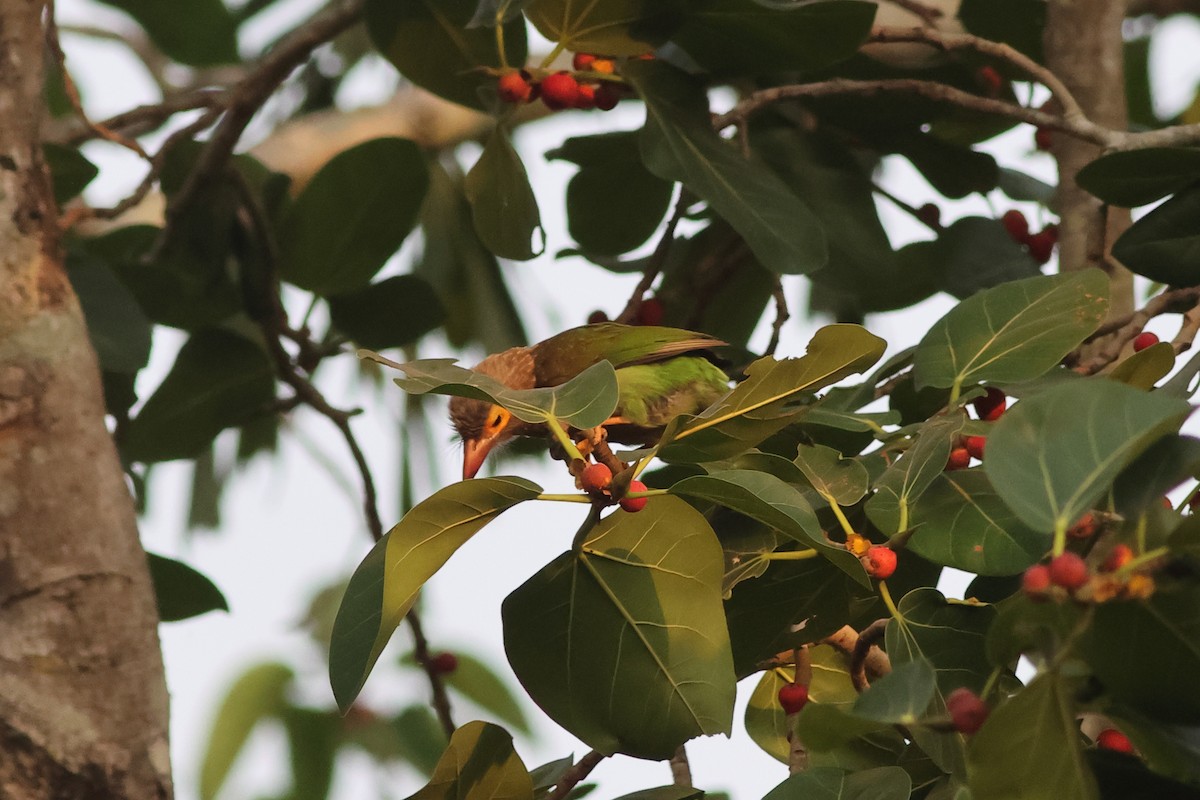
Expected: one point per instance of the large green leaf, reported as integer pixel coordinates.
(1033, 734)
(769, 500)
(773, 39)
(756, 408)
(181, 591)
(503, 206)
(901, 696)
(1137, 177)
(219, 379)
(583, 402)
(1164, 245)
(314, 736)
(961, 522)
(829, 783)
(1014, 332)
(385, 585)
(970, 255)
(201, 33)
(329, 245)
(429, 42)
(118, 328)
(836, 479)
(902, 483)
(1053, 455)
(679, 144)
(479, 762)
(260, 693)
(393, 312)
(1145, 368)
(614, 27)
(622, 641)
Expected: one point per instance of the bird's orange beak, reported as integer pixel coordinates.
(475, 451)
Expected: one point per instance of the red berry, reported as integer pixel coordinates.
(879, 562)
(607, 96)
(990, 79)
(650, 312)
(633, 504)
(1113, 739)
(1041, 245)
(960, 458)
(1068, 570)
(583, 61)
(1084, 527)
(793, 697)
(991, 405)
(1036, 580)
(1143, 340)
(597, 317)
(1119, 557)
(975, 445)
(604, 65)
(559, 91)
(443, 663)
(595, 478)
(587, 97)
(1043, 139)
(967, 710)
(514, 87)
(930, 215)
(1015, 225)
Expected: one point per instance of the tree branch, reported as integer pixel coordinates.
(657, 259)
(572, 777)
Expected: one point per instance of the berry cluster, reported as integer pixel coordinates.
(1040, 245)
(1069, 575)
(596, 480)
(582, 87)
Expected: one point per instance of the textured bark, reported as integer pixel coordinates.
(83, 702)
(1084, 48)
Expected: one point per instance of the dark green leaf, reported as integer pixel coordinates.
(1014, 332)
(1164, 245)
(385, 585)
(975, 253)
(1020, 186)
(1053, 455)
(948, 633)
(953, 169)
(679, 144)
(503, 206)
(1017, 23)
(1024, 624)
(837, 480)
(428, 41)
(828, 783)
(313, 739)
(260, 693)
(1125, 777)
(394, 312)
(903, 483)
(629, 615)
(901, 696)
(614, 27)
(329, 245)
(479, 762)
(70, 171)
(182, 592)
(1166, 464)
(119, 330)
(1137, 177)
(200, 33)
(219, 379)
(669, 792)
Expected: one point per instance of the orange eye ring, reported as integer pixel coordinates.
(497, 418)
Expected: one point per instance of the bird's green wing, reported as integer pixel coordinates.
(562, 357)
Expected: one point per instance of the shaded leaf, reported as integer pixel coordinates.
(837, 480)
(313, 739)
(394, 312)
(503, 206)
(1164, 465)
(1164, 245)
(679, 144)
(903, 483)
(70, 171)
(1051, 456)
(260, 693)
(614, 27)
(476, 681)
(669, 792)
(181, 591)
(901, 696)
(974, 254)
(1137, 177)
(1145, 368)
(629, 615)
(119, 331)
(385, 585)
(200, 33)
(828, 783)
(479, 762)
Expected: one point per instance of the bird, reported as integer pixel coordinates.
(661, 373)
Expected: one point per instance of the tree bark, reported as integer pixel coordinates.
(1085, 49)
(83, 701)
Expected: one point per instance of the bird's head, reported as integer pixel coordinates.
(484, 426)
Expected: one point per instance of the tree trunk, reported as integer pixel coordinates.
(1085, 49)
(83, 701)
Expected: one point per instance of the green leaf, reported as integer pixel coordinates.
(972, 254)
(823, 728)
(679, 144)
(260, 693)
(829, 783)
(385, 585)
(430, 43)
(70, 171)
(772, 39)
(1145, 368)
(1137, 177)
(1053, 455)
(477, 682)
(1023, 624)
(669, 792)
(961, 522)
(614, 27)
(756, 408)
(181, 591)
(200, 33)
(479, 762)
(837, 480)
(1033, 734)
(1019, 186)
(903, 483)
(769, 500)
(901, 696)
(1014, 332)
(582, 402)
(392, 313)
(1164, 465)
(328, 245)
(119, 331)
(1164, 245)
(635, 612)
(1017, 23)
(503, 206)
(219, 379)
(313, 740)
(614, 204)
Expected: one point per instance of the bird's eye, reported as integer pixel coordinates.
(497, 420)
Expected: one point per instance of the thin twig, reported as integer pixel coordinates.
(781, 315)
(143, 119)
(681, 770)
(911, 210)
(657, 259)
(578, 772)
(1111, 337)
(441, 700)
(869, 638)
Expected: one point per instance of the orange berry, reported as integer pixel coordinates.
(1036, 581)
(1084, 527)
(595, 478)
(514, 87)
(857, 544)
(959, 459)
(634, 504)
(583, 61)
(1119, 557)
(560, 91)
(1068, 570)
(879, 562)
(586, 99)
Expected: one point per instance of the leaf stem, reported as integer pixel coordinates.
(841, 518)
(1060, 537)
(887, 601)
(581, 535)
(500, 36)
(565, 498)
(553, 54)
(1143, 559)
(992, 680)
(563, 439)
(792, 555)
